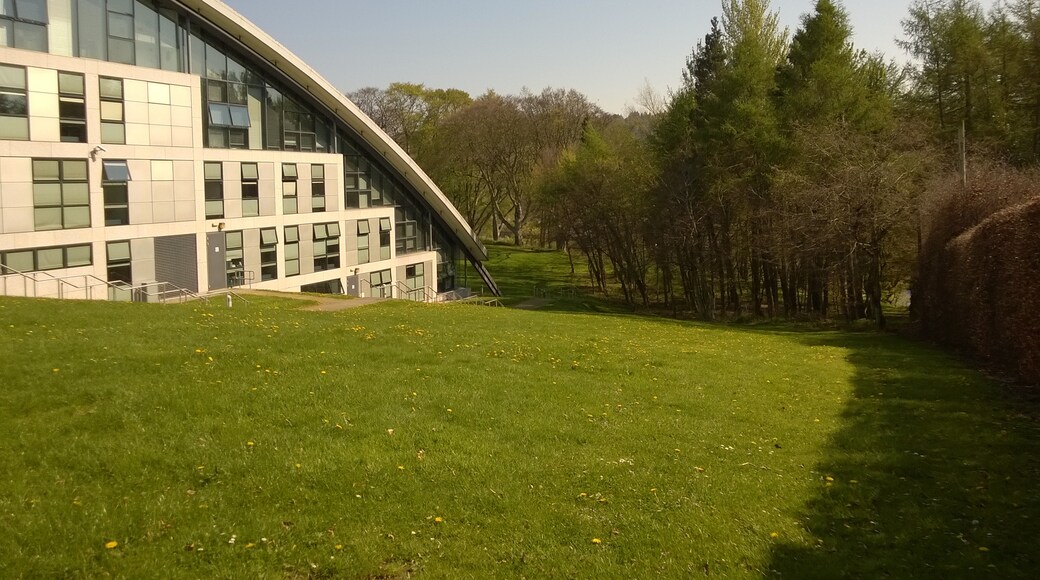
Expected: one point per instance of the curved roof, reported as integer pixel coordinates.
(259, 42)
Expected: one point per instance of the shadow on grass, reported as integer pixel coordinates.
(935, 473)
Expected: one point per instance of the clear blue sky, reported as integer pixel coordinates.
(606, 49)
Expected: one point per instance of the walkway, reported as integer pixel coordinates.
(321, 303)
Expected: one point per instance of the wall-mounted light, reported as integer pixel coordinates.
(94, 152)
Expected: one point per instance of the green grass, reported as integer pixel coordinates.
(523, 273)
(265, 441)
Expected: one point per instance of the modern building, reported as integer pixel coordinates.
(153, 146)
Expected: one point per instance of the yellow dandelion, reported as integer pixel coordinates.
(249, 443)
(339, 546)
(111, 545)
(438, 520)
(323, 372)
(597, 541)
(774, 535)
(401, 467)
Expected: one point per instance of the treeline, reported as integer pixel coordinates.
(787, 175)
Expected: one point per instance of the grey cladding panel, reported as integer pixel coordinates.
(176, 261)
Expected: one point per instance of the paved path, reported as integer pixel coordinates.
(321, 303)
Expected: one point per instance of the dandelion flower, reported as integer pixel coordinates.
(597, 541)
(111, 545)
(774, 535)
(438, 520)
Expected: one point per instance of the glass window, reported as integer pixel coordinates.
(115, 171)
(214, 189)
(119, 262)
(239, 116)
(362, 227)
(112, 128)
(219, 115)
(268, 236)
(118, 251)
(78, 256)
(111, 88)
(289, 171)
(21, 260)
(72, 108)
(14, 104)
(50, 258)
(384, 224)
(60, 195)
(249, 171)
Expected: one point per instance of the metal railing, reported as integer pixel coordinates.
(242, 278)
(422, 294)
(87, 286)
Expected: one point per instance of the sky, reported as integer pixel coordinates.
(607, 49)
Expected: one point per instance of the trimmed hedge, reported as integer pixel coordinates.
(981, 291)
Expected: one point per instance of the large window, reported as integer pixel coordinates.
(384, 238)
(119, 262)
(114, 183)
(113, 129)
(61, 198)
(415, 280)
(326, 246)
(317, 188)
(234, 259)
(291, 126)
(130, 32)
(268, 254)
(292, 250)
(72, 108)
(250, 190)
(121, 31)
(214, 178)
(362, 242)
(23, 24)
(36, 259)
(364, 184)
(412, 227)
(14, 103)
(381, 284)
(290, 204)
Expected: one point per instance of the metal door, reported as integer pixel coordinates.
(215, 261)
(352, 286)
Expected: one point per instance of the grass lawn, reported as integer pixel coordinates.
(403, 439)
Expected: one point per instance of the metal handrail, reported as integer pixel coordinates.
(162, 295)
(426, 291)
